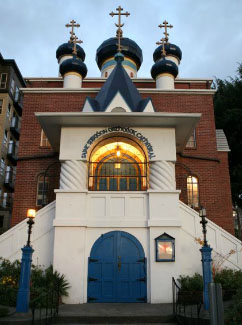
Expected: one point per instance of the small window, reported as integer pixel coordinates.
(1, 221)
(5, 200)
(1, 106)
(2, 167)
(106, 74)
(16, 96)
(191, 143)
(192, 192)
(3, 80)
(44, 142)
(9, 110)
(42, 190)
(5, 138)
(12, 87)
(131, 75)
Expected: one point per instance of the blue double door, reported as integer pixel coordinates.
(117, 269)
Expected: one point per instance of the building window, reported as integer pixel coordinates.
(191, 143)
(8, 110)
(3, 80)
(42, 190)
(1, 221)
(131, 75)
(16, 96)
(12, 86)
(192, 192)
(44, 142)
(106, 74)
(118, 164)
(1, 106)
(5, 138)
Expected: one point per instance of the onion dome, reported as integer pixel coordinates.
(67, 49)
(171, 50)
(164, 66)
(109, 48)
(73, 65)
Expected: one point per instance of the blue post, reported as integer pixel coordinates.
(207, 273)
(24, 283)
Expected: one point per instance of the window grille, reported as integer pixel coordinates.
(42, 190)
(191, 143)
(1, 106)
(3, 80)
(192, 191)
(44, 142)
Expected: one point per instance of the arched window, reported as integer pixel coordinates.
(131, 75)
(192, 192)
(42, 190)
(118, 164)
(106, 74)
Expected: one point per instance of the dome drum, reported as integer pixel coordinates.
(107, 50)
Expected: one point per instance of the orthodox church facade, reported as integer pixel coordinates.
(134, 160)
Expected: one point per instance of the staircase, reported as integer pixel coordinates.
(118, 313)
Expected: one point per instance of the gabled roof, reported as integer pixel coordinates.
(118, 82)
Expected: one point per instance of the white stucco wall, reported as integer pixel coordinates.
(162, 140)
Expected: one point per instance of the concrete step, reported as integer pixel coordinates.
(115, 313)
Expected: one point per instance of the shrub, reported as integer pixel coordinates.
(234, 314)
(191, 283)
(230, 280)
(43, 284)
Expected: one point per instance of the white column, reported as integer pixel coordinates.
(162, 176)
(73, 175)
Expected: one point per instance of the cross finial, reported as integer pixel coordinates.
(75, 41)
(72, 25)
(119, 32)
(165, 25)
(162, 42)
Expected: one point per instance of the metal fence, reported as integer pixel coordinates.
(186, 306)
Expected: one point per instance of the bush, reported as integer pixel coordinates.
(230, 280)
(234, 315)
(44, 284)
(191, 283)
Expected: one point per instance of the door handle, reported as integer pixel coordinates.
(119, 263)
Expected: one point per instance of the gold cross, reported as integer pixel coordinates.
(163, 51)
(72, 25)
(75, 41)
(119, 33)
(165, 26)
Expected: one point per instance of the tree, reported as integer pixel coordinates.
(228, 116)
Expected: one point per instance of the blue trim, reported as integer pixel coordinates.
(113, 63)
(24, 282)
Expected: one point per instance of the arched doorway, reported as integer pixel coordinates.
(117, 269)
(118, 164)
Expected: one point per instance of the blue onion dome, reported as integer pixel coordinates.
(164, 66)
(67, 49)
(109, 48)
(73, 65)
(171, 49)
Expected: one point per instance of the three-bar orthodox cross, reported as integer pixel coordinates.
(162, 42)
(165, 25)
(72, 25)
(75, 41)
(119, 25)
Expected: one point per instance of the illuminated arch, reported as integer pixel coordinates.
(117, 163)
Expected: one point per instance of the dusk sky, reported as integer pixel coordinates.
(209, 32)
